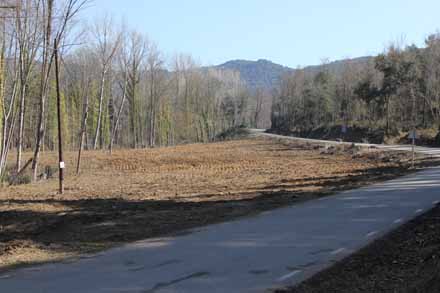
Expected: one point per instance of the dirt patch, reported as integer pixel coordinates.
(136, 194)
(406, 260)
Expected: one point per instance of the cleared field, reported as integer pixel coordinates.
(135, 194)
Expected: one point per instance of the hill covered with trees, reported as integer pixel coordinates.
(398, 90)
(261, 74)
(266, 75)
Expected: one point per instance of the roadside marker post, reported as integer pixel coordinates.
(413, 137)
(413, 151)
(344, 131)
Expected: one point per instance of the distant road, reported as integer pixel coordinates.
(272, 249)
(433, 152)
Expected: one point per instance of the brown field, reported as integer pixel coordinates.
(136, 194)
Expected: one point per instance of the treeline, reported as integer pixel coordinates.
(117, 89)
(398, 90)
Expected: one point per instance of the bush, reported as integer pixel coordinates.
(18, 180)
(233, 133)
(49, 171)
(437, 140)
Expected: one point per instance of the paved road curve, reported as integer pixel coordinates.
(280, 247)
(433, 152)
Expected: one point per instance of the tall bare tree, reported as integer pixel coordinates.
(28, 39)
(107, 44)
(155, 75)
(8, 86)
(68, 10)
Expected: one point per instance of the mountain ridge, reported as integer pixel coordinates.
(265, 74)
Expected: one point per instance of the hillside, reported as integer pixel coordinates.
(267, 75)
(257, 74)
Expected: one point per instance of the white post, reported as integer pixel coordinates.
(413, 147)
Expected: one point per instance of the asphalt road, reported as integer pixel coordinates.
(275, 248)
(433, 152)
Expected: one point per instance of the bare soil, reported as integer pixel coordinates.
(406, 260)
(136, 194)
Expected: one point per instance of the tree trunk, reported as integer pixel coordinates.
(21, 126)
(83, 132)
(101, 98)
(45, 71)
(152, 112)
(118, 117)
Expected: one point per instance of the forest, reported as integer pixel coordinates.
(398, 90)
(116, 87)
(113, 87)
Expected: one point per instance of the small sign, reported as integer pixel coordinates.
(62, 165)
(413, 135)
(344, 129)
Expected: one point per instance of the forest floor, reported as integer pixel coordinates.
(136, 194)
(406, 260)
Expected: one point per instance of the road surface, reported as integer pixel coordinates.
(433, 152)
(276, 248)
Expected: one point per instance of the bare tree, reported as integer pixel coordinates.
(154, 70)
(85, 84)
(8, 88)
(67, 13)
(259, 99)
(132, 60)
(28, 39)
(83, 129)
(108, 42)
(432, 76)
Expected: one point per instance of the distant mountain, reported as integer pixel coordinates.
(257, 74)
(336, 67)
(267, 75)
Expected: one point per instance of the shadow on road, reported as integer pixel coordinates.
(94, 224)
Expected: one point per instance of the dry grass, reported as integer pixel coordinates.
(191, 171)
(135, 194)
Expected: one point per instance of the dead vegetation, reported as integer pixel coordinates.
(135, 194)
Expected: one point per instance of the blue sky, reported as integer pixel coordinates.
(290, 32)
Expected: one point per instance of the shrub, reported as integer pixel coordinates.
(13, 179)
(233, 133)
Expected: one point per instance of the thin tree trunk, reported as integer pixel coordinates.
(118, 117)
(83, 132)
(133, 123)
(152, 111)
(21, 126)
(101, 98)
